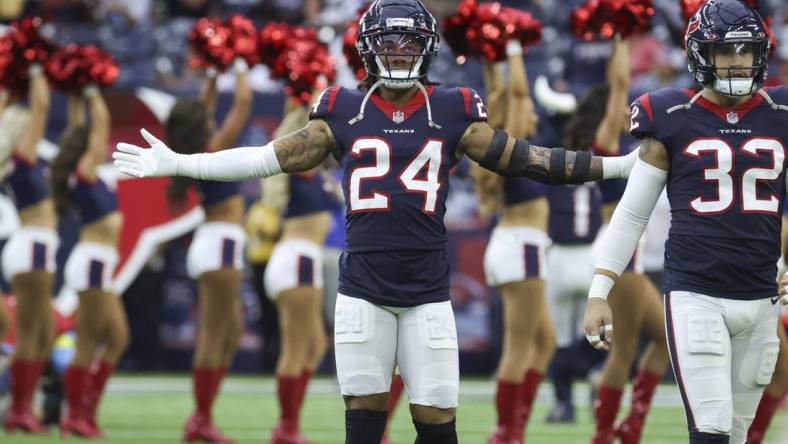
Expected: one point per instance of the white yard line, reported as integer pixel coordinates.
(667, 395)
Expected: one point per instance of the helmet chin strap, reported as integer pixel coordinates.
(734, 86)
(376, 85)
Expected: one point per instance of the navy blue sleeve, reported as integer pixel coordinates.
(642, 118)
(324, 104)
(474, 105)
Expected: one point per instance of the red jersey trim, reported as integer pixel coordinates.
(722, 112)
(332, 97)
(645, 102)
(466, 98)
(414, 103)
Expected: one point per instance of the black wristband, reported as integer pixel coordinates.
(580, 170)
(557, 166)
(519, 158)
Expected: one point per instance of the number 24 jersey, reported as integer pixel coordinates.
(396, 167)
(726, 187)
(396, 180)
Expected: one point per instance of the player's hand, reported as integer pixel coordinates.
(158, 160)
(598, 323)
(784, 289)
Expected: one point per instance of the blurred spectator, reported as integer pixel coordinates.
(191, 8)
(137, 11)
(68, 11)
(295, 12)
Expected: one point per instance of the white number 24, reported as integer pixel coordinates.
(722, 175)
(428, 156)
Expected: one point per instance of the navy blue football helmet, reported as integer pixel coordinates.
(398, 40)
(730, 28)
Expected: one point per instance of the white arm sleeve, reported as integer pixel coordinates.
(230, 165)
(619, 167)
(631, 216)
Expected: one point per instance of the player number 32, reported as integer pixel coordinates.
(722, 175)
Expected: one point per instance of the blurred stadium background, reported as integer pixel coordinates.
(148, 39)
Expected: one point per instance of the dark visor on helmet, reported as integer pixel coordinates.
(407, 44)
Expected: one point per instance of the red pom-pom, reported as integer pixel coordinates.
(243, 39)
(75, 67)
(605, 18)
(296, 55)
(273, 39)
(19, 47)
(455, 28)
(690, 7)
(210, 40)
(483, 30)
(349, 39)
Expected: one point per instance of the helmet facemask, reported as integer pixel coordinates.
(736, 67)
(398, 58)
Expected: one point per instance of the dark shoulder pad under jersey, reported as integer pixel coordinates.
(324, 104)
(650, 113)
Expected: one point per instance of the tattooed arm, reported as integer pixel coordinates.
(295, 152)
(499, 152)
(305, 148)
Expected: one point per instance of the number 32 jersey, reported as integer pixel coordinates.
(726, 188)
(396, 180)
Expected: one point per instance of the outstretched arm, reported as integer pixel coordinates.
(498, 151)
(620, 240)
(98, 137)
(295, 152)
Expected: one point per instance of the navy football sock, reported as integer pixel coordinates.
(708, 438)
(445, 433)
(562, 372)
(364, 426)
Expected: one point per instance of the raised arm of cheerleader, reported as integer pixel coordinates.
(98, 137)
(236, 119)
(617, 110)
(39, 98)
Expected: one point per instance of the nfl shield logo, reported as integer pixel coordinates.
(732, 117)
(398, 117)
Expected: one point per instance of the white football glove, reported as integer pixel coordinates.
(156, 161)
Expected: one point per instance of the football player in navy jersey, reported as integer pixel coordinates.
(514, 261)
(396, 153)
(721, 152)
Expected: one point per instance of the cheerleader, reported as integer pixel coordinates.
(215, 256)
(634, 315)
(294, 280)
(101, 327)
(28, 259)
(514, 261)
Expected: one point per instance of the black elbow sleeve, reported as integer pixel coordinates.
(494, 152)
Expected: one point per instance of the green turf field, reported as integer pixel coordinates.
(152, 410)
